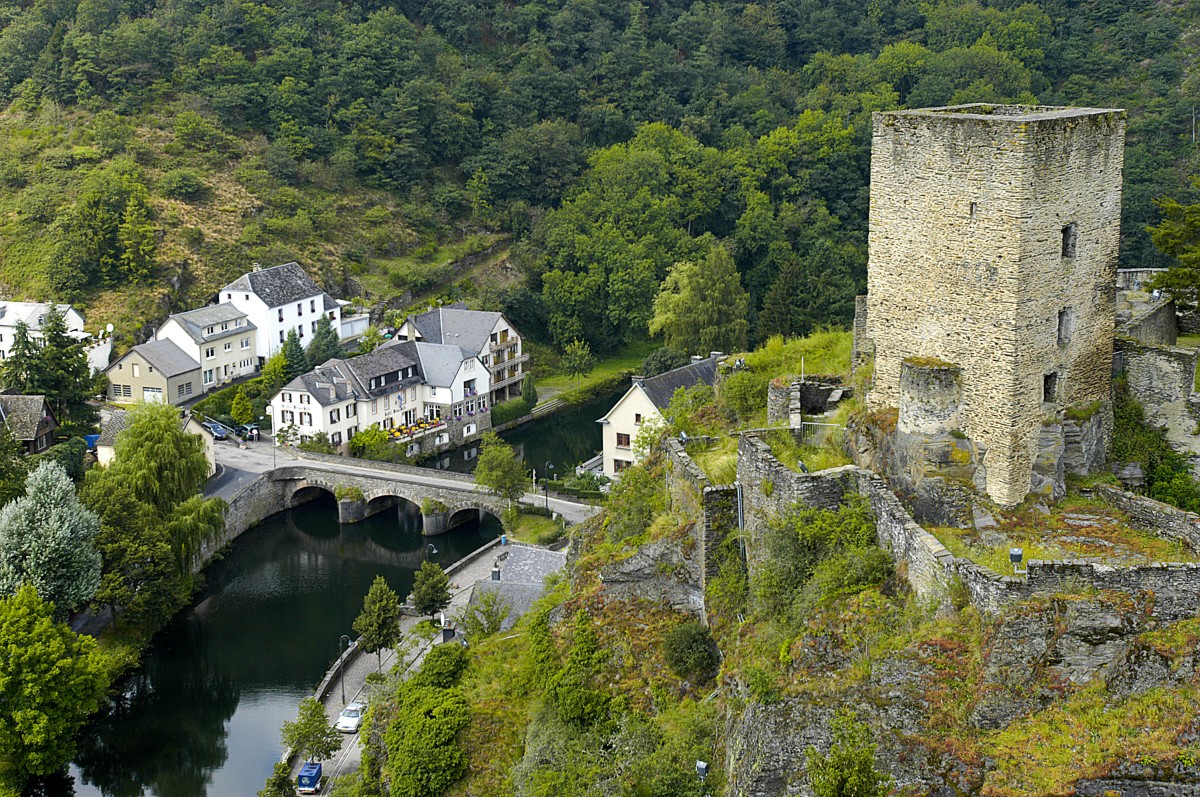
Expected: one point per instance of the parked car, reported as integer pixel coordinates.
(351, 718)
(247, 431)
(309, 779)
(219, 432)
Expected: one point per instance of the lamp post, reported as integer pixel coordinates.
(343, 643)
(546, 483)
(274, 434)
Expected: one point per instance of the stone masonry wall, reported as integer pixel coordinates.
(1155, 517)
(931, 567)
(714, 508)
(967, 219)
(1157, 374)
(1156, 326)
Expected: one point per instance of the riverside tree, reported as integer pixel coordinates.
(578, 360)
(378, 624)
(310, 735)
(51, 679)
(47, 541)
(499, 470)
(431, 589)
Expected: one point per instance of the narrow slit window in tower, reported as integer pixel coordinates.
(1068, 240)
(1066, 325)
(1049, 386)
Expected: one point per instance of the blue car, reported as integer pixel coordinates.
(219, 432)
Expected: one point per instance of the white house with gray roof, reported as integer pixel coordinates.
(642, 405)
(279, 299)
(428, 396)
(220, 337)
(487, 334)
(33, 315)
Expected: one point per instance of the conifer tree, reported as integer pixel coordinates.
(242, 409)
(19, 371)
(65, 375)
(810, 291)
(47, 541)
(294, 357)
(325, 344)
(378, 625)
(431, 589)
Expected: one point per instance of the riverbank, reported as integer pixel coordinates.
(346, 680)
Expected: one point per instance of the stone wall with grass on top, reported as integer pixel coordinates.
(713, 507)
(1155, 517)
(1154, 326)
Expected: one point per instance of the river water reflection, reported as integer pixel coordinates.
(202, 715)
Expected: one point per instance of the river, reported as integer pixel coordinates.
(201, 717)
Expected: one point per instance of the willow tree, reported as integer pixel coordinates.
(702, 306)
(161, 463)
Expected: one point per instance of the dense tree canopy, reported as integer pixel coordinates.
(50, 680)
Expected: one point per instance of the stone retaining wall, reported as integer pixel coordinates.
(1156, 326)
(1157, 375)
(714, 507)
(1155, 517)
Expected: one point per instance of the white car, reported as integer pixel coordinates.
(351, 717)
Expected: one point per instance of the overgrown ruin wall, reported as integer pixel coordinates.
(1156, 326)
(993, 246)
(931, 567)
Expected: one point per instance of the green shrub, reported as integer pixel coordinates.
(442, 666)
(745, 392)
(423, 755)
(690, 651)
(348, 492)
(182, 184)
(69, 453)
(509, 411)
(848, 769)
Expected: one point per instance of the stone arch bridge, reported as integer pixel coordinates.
(445, 502)
(446, 499)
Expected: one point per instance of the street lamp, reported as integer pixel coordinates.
(274, 434)
(343, 643)
(546, 484)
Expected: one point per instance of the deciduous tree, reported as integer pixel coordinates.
(848, 769)
(311, 736)
(161, 463)
(378, 625)
(242, 410)
(47, 540)
(51, 679)
(577, 359)
(499, 470)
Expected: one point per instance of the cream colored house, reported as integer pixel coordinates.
(643, 404)
(157, 370)
(220, 338)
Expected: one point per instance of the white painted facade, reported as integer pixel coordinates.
(461, 398)
(33, 314)
(274, 323)
(621, 426)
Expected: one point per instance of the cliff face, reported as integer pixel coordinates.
(1084, 692)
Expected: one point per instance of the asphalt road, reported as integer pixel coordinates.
(237, 467)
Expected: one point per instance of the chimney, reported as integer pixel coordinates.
(716, 355)
(637, 379)
(256, 266)
(696, 358)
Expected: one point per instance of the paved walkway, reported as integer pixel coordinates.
(413, 651)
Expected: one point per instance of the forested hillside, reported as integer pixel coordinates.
(150, 150)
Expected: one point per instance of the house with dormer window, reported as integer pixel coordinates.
(487, 334)
(220, 337)
(427, 397)
(283, 298)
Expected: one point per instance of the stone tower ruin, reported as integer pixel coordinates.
(993, 253)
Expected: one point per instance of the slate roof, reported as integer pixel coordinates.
(338, 380)
(194, 322)
(29, 312)
(660, 389)
(22, 414)
(166, 357)
(117, 422)
(439, 364)
(455, 325)
(526, 564)
(278, 285)
(518, 597)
